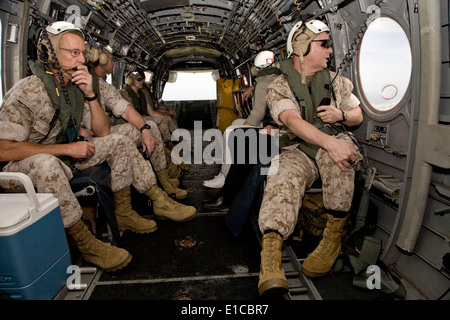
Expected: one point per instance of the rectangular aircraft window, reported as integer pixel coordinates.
(191, 86)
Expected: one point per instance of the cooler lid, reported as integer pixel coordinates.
(15, 207)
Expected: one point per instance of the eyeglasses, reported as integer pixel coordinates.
(325, 43)
(139, 79)
(76, 52)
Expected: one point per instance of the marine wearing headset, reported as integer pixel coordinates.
(319, 144)
(41, 135)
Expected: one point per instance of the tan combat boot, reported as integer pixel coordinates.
(166, 208)
(321, 260)
(174, 181)
(171, 190)
(271, 277)
(127, 218)
(105, 256)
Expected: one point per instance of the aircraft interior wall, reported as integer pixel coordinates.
(384, 47)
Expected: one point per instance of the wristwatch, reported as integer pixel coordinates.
(344, 116)
(91, 98)
(145, 126)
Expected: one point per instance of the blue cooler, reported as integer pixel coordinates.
(34, 254)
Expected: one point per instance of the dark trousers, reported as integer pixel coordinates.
(248, 198)
(245, 154)
(244, 184)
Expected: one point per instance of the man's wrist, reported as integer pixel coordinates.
(344, 116)
(91, 98)
(145, 126)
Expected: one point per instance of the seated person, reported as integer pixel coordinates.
(134, 94)
(141, 131)
(40, 136)
(155, 105)
(265, 71)
(321, 145)
(240, 167)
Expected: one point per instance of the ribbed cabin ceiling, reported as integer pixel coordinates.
(157, 26)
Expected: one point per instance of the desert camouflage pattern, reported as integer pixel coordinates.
(165, 129)
(158, 157)
(281, 98)
(25, 116)
(296, 172)
(26, 113)
(293, 172)
(49, 175)
(113, 103)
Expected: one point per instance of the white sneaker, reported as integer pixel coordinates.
(215, 183)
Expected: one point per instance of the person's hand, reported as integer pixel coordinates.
(341, 153)
(247, 93)
(268, 130)
(88, 134)
(81, 150)
(329, 114)
(148, 141)
(172, 112)
(166, 119)
(83, 79)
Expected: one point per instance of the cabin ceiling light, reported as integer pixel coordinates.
(13, 33)
(187, 16)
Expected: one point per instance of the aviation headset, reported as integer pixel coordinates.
(309, 30)
(131, 77)
(98, 54)
(48, 49)
(48, 40)
(300, 37)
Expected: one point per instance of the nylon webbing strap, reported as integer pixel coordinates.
(368, 256)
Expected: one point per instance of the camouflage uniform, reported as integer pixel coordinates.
(294, 172)
(113, 103)
(25, 116)
(165, 129)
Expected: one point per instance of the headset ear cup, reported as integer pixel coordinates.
(129, 81)
(94, 55)
(103, 59)
(43, 54)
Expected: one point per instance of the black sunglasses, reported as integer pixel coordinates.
(325, 43)
(139, 79)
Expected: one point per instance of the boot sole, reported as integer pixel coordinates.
(273, 287)
(181, 197)
(184, 220)
(314, 274)
(140, 231)
(120, 266)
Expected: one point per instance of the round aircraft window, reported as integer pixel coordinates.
(385, 64)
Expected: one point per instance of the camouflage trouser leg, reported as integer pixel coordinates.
(158, 157)
(165, 129)
(296, 172)
(49, 175)
(285, 190)
(128, 167)
(337, 187)
(172, 125)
